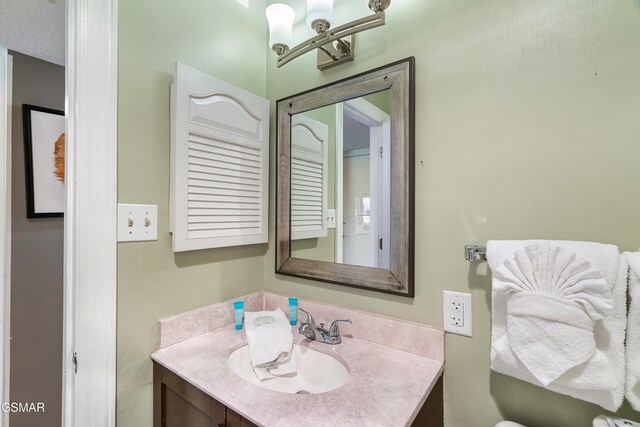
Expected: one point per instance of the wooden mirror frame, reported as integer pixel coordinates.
(399, 77)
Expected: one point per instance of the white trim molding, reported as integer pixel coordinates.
(339, 182)
(379, 123)
(6, 68)
(89, 393)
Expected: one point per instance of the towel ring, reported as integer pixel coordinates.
(474, 253)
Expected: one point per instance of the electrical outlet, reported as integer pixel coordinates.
(331, 218)
(456, 313)
(137, 223)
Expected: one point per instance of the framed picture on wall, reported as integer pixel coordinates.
(44, 161)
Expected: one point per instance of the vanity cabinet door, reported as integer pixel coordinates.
(432, 412)
(180, 412)
(236, 420)
(176, 403)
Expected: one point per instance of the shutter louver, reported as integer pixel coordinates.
(220, 156)
(308, 178)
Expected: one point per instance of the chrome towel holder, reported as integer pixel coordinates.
(474, 253)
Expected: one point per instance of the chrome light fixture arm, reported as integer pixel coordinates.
(334, 34)
(334, 46)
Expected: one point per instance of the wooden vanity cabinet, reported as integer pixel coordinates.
(432, 412)
(177, 403)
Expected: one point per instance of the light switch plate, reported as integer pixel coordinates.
(331, 218)
(456, 313)
(137, 223)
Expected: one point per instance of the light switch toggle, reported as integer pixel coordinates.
(331, 218)
(137, 223)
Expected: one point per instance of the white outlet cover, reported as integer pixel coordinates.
(456, 313)
(137, 223)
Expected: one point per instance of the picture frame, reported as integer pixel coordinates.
(44, 131)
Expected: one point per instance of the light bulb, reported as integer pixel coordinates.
(280, 18)
(377, 5)
(320, 14)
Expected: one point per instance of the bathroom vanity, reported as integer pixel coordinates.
(177, 402)
(395, 373)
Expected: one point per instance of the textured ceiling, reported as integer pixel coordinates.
(34, 27)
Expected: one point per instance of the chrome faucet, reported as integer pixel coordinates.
(318, 333)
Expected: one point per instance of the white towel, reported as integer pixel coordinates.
(559, 317)
(633, 331)
(270, 343)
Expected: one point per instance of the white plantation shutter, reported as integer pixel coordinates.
(309, 140)
(219, 163)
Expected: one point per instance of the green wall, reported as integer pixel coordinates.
(382, 100)
(527, 126)
(226, 40)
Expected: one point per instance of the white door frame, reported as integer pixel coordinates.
(339, 182)
(90, 217)
(365, 112)
(6, 70)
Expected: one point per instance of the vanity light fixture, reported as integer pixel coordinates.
(335, 45)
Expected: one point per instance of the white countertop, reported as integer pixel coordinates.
(387, 386)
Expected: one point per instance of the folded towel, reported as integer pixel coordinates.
(559, 316)
(270, 343)
(550, 335)
(633, 331)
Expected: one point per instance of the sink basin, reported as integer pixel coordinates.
(316, 372)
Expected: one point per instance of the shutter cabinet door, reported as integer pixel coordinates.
(309, 169)
(219, 163)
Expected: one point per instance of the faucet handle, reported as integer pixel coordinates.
(309, 316)
(334, 330)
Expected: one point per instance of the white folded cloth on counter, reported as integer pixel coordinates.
(559, 316)
(606, 421)
(287, 366)
(270, 343)
(633, 331)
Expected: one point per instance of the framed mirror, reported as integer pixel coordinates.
(345, 174)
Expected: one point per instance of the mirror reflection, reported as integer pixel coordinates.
(340, 182)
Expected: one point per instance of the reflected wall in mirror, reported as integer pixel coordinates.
(345, 182)
(338, 165)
